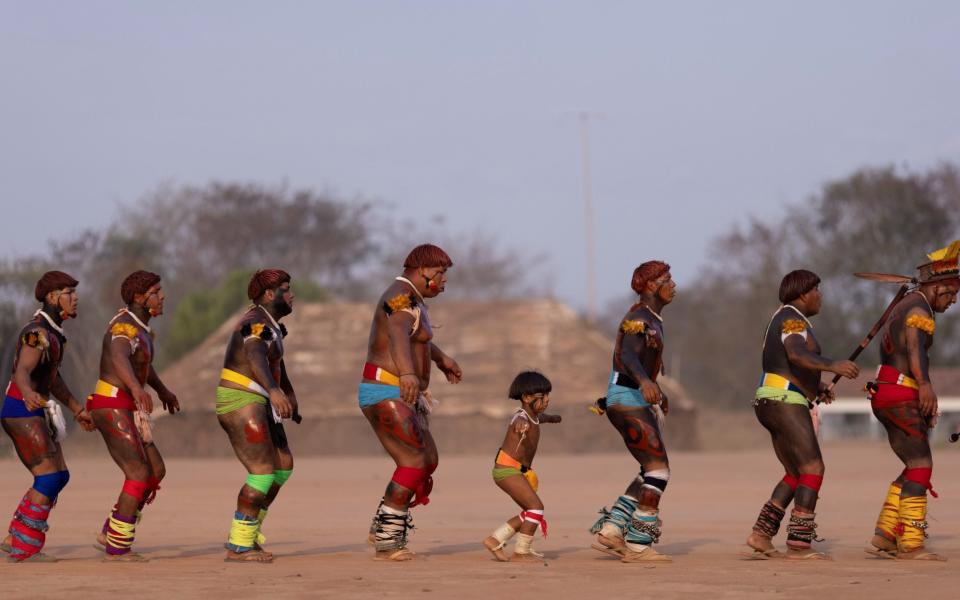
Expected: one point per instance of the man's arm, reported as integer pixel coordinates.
(27, 361)
(167, 398)
(633, 344)
(255, 351)
(447, 365)
(287, 387)
(398, 331)
(121, 349)
(918, 333)
(798, 354)
(62, 393)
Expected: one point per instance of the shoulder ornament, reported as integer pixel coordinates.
(399, 303)
(922, 322)
(125, 330)
(635, 327)
(791, 326)
(256, 330)
(36, 338)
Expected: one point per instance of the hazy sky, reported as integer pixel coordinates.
(708, 111)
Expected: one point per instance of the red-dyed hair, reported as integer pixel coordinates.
(137, 282)
(647, 272)
(52, 281)
(266, 279)
(427, 255)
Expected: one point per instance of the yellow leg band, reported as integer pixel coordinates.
(120, 534)
(261, 539)
(243, 533)
(890, 514)
(913, 523)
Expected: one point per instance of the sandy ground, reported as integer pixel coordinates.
(319, 524)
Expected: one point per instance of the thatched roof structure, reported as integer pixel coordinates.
(492, 340)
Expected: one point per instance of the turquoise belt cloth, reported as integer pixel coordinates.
(618, 394)
(373, 393)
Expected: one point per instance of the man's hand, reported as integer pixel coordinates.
(33, 400)
(85, 420)
(450, 368)
(143, 399)
(281, 403)
(846, 368)
(545, 418)
(825, 394)
(651, 391)
(664, 403)
(928, 399)
(169, 401)
(409, 388)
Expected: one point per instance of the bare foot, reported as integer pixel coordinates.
(254, 556)
(496, 548)
(397, 554)
(648, 554)
(806, 554)
(881, 547)
(39, 557)
(762, 547)
(526, 557)
(920, 554)
(128, 557)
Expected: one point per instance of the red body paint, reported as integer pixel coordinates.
(255, 434)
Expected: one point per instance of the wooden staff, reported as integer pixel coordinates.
(906, 281)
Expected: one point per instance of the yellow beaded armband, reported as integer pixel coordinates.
(791, 326)
(923, 323)
(635, 327)
(123, 330)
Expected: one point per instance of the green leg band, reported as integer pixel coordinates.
(280, 476)
(261, 483)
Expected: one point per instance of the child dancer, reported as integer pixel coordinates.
(512, 472)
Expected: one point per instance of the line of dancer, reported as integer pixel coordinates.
(254, 397)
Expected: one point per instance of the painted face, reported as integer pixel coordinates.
(283, 300)
(540, 402)
(946, 295)
(666, 288)
(66, 300)
(436, 280)
(153, 300)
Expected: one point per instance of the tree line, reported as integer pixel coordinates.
(205, 241)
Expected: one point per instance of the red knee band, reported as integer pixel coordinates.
(136, 489)
(790, 480)
(418, 480)
(811, 481)
(409, 477)
(153, 484)
(922, 476)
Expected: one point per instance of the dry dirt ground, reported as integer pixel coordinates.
(318, 527)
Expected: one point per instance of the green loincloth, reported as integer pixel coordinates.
(229, 399)
(501, 473)
(767, 392)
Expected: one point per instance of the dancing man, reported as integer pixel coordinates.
(394, 397)
(35, 423)
(253, 397)
(635, 406)
(903, 400)
(121, 407)
(790, 382)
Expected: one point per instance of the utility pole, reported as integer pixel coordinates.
(591, 251)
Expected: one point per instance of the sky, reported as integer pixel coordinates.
(704, 114)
